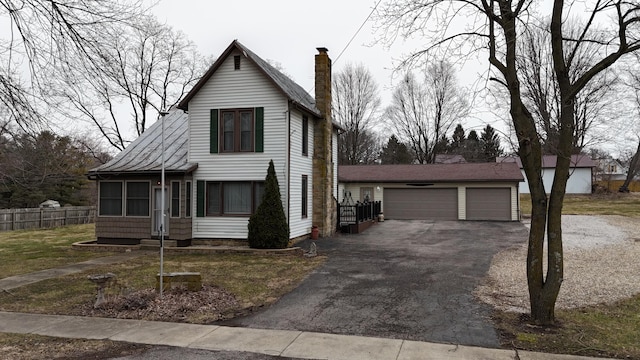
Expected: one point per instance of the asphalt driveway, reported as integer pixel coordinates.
(399, 279)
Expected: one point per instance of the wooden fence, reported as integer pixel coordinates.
(44, 218)
(614, 185)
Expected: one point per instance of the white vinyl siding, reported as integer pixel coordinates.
(237, 89)
(300, 165)
(579, 181)
(334, 152)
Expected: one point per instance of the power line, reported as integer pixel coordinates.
(357, 31)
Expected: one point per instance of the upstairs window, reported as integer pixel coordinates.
(305, 136)
(237, 130)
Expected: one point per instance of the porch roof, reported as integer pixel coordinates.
(144, 155)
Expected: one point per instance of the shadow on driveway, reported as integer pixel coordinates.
(399, 279)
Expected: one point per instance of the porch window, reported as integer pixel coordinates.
(187, 209)
(138, 198)
(175, 199)
(233, 198)
(110, 198)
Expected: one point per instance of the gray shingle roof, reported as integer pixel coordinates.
(549, 161)
(291, 90)
(432, 173)
(144, 155)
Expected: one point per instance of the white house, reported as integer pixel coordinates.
(240, 115)
(580, 173)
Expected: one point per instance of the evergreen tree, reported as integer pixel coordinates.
(268, 228)
(457, 140)
(472, 147)
(490, 144)
(395, 152)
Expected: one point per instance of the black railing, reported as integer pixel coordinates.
(358, 213)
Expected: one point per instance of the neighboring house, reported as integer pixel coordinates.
(449, 159)
(609, 169)
(580, 173)
(480, 191)
(239, 116)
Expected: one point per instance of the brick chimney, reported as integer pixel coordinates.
(324, 205)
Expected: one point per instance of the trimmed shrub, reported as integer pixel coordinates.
(268, 228)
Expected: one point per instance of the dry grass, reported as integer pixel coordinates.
(35, 347)
(604, 331)
(595, 204)
(25, 251)
(253, 280)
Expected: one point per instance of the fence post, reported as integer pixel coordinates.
(13, 219)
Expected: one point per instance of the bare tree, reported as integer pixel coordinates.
(594, 105)
(422, 113)
(145, 70)
(633, 83)
(45, 35)
(356, 101)
(497, 26)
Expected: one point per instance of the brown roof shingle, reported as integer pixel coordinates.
(432, 173)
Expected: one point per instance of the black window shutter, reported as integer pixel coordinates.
(200, 198)
(213, 132)
(259, 133)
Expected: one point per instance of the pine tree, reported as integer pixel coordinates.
(472, 147)
(395, 152)
(457, 140)
(490, 144)
(268, 228)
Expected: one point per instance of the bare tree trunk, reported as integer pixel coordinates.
(634, 166)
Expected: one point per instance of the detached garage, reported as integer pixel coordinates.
(471, 191)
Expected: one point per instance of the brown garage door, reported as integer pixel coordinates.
(488, 204)
(421, 204)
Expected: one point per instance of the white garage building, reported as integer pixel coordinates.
(473, 191)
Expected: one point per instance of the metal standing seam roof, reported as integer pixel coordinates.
(291, 90)
(145, 153)
(431, 173)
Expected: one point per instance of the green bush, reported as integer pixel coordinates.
(268, 228)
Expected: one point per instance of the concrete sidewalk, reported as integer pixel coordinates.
(295, 344)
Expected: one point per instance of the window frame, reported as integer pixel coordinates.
(121, 213)
(221, 184)
(188, 198)
(304, 195)
(305, 135)
(237, 131)
(126, 198)
(175, 213)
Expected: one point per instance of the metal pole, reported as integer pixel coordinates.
(162, 205)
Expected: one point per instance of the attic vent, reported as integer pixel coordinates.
(236, 62)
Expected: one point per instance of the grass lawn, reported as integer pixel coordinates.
(253, 280)
(599, 331)
(605, 330)
(25, 251)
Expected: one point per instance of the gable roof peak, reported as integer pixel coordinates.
(282, 82)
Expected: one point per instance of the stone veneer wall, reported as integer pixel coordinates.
(324, 206)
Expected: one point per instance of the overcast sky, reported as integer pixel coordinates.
(285, 31)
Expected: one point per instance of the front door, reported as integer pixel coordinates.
(157, 212)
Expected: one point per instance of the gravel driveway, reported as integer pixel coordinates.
(399, 279)
(601, 265)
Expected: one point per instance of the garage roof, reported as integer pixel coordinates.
(549, 161)
(431, 173)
